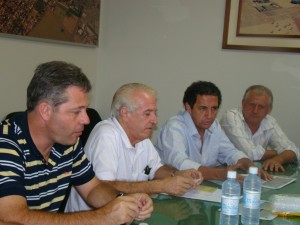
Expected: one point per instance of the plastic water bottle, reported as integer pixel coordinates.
(251, 200)
(231, 191)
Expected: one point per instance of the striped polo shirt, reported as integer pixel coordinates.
(23, 170)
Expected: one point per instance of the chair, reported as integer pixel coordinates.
(94, 119)
(9, 115)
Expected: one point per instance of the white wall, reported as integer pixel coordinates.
(166, 44)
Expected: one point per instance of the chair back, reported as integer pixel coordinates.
(94, 119)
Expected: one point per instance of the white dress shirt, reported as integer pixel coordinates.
(268, 136)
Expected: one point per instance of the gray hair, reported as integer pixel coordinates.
(124, 97)
(259, 90)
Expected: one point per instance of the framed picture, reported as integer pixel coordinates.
(269, 25)
(65, 21)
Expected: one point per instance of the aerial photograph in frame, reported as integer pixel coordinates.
(277, 18)
(66, 21)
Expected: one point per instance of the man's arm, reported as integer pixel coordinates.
(213, 173)
(113, 211)
(14, 209)
(269, 154)
(167, 180)
(8, 223)
(96, 193)
(276, 163)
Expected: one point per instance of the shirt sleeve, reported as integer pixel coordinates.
(11, 169)
(233, 127)
(172, 146)
(279, 141)
(228, 153)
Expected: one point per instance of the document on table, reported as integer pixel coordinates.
(206, 193)
(277, 182)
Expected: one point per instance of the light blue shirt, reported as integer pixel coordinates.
(179, 144)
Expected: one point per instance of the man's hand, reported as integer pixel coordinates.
(178, 184)
(244, 164)
(192, 173)
(124, 209)
(264, 174)
(145, 205)
(273, 165)
(276, 163)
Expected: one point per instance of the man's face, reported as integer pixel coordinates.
(255, 108)
(204, 111)
(66, 122)
(139, 124)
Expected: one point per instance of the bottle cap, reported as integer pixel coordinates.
(253, 170)
(231, 174)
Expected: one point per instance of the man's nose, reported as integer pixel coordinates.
(255, 109)
(154, 119)
(209, 113)
(85, 118)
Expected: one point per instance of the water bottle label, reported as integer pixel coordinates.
(251, 200)
(230, 205)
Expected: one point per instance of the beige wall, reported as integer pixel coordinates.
(166, 44)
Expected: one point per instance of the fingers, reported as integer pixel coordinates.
(264, 175)
(145, 206)
(273, 166)
(180, 185)
(144, 214)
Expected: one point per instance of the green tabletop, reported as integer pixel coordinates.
(173, 210)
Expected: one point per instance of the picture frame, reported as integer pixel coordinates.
(233, 39)
(60, 21)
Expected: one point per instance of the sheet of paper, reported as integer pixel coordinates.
(277, 182)
(205, 193)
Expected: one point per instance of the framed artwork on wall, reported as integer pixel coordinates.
(269, 25)
(65, 21)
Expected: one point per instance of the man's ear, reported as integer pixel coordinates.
(243, 102)
(187, 107)
(123, 112)
(45, 110)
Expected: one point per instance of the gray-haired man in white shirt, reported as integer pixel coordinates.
(252, 130)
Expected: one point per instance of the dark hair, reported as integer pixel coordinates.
(201, 88)
(50, 81)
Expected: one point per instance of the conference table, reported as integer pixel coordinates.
(174, 210)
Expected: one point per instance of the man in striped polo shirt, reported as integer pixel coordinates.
(41, 154)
